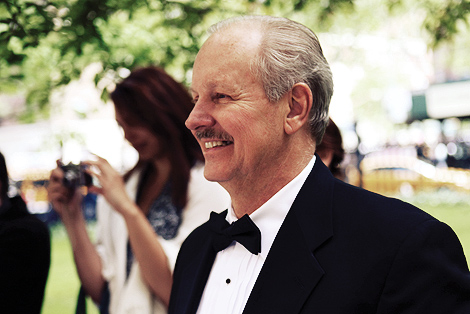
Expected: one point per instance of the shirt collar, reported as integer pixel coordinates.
(270, 216)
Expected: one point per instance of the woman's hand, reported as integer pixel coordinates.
(143, 239)
(65, 201)
(111, 185)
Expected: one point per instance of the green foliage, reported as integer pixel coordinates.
(444, 19)
(47, 43)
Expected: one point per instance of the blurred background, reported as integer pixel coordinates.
(402, 93)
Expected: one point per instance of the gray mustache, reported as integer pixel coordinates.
(212, 134)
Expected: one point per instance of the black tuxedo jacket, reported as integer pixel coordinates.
(342, 249)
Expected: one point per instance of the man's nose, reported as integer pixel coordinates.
(200, 116)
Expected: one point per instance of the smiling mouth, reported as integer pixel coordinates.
(213, 144)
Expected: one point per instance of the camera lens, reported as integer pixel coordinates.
(71, 176)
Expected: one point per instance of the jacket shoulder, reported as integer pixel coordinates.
(193, 243)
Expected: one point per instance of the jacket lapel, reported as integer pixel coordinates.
(291, 271)
(194, 279)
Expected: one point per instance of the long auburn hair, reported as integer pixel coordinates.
(153, 97)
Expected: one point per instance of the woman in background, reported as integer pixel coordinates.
(143, 217)
(331, 150)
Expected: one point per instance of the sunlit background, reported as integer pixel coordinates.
(402, 94)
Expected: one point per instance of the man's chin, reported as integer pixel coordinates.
(214, 175)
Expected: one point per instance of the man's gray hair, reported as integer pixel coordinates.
(290, 53)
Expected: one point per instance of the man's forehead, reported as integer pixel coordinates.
(237, 36)
(210, 84)
(225, 53)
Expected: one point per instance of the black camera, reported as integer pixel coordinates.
(75, 176)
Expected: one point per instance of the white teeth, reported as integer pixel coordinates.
(214, 144)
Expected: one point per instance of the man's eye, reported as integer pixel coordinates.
(221, 96)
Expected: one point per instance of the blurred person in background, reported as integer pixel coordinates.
(142, 217)
(331, 150)
(25, 253)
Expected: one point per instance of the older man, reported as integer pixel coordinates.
(295, 239)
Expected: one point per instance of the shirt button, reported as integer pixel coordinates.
(227, 281)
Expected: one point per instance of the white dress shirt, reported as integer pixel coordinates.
(235, 269)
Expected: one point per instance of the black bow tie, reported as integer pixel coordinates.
(244, 231)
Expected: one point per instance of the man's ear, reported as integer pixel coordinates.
(300, 102)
